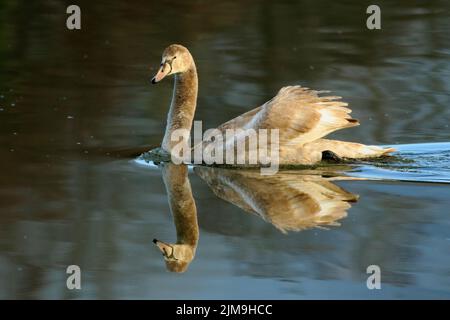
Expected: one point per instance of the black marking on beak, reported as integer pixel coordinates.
(168, 62)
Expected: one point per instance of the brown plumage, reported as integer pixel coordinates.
(302, 116)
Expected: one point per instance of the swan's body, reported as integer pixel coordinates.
(302, 117)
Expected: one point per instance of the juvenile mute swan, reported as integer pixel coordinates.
(301, 115)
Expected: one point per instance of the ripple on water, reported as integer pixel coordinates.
(419, 162)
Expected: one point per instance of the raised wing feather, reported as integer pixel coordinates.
(299, 113)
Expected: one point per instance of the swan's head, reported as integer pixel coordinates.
(175, 59)
(177, 256)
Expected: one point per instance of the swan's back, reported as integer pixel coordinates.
(302, 116)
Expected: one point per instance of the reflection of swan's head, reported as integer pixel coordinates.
(175, 59)
(177, 256)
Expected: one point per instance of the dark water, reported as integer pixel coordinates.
(76, 107)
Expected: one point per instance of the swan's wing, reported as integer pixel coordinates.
(241, 121)
(290, 202)
(299, 113)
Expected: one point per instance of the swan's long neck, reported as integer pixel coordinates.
(181, 203)
(182, 107)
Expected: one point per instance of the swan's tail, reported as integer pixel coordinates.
(352, 150)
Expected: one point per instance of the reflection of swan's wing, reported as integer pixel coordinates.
(288, 201)
(300, 115)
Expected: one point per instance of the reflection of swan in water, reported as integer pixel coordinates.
(291, 201)
(181, 202)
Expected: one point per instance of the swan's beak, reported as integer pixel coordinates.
(162, 72)
(165, 248)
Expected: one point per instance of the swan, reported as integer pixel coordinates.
(302, 116)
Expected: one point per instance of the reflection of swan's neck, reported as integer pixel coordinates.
(182, 107)
(181, 204)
